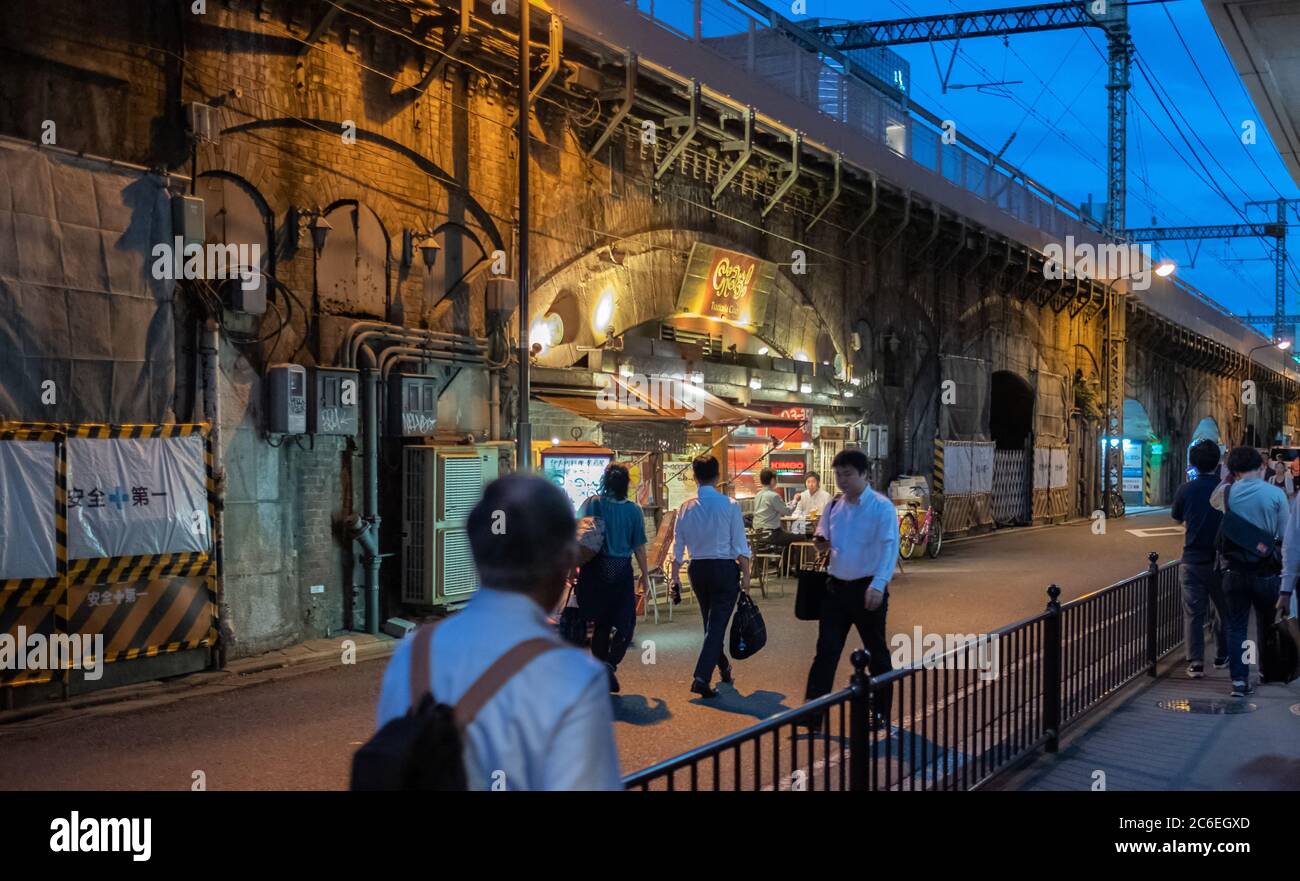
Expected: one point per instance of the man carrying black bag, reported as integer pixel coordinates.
(859, 531)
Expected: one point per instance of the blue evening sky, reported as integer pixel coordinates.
(1057, 111)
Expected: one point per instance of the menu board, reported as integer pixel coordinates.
(578, 476)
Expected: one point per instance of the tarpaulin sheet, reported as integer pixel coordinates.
(1049, 411)
(964, 413)
(28, 548)
(129, 496)
(1060, 467)
(78, 303)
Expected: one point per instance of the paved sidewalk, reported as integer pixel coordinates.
(304, 657)
(1140, 745)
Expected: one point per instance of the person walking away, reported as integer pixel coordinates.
(550, 726)
(1256, 513)
(711, 528)
(769, 508)
(859, 534)
(605, 588)
(1198, 576)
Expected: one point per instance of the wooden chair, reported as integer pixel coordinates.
(657, 559)
(765, 560)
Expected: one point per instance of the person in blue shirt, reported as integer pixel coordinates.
(605, 589)
(1247, 587)
(1198, 577)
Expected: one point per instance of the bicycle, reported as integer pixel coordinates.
(914, 534)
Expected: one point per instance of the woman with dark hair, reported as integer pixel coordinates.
(606, 593)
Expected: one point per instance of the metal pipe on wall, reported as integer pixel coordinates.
(209, 352)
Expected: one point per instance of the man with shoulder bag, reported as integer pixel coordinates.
(1249, 547)
(858, 532)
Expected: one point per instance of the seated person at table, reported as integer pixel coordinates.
(769, 508)
(811, 502)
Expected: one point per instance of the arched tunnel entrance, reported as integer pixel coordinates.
(1011, 422)
(1140, 452)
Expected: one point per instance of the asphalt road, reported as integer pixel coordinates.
(298, 730)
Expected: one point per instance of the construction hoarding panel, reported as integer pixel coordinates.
(28, 510)
(131, 496)
(145, 617)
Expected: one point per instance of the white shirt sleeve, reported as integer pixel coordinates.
(583, 755)
(887, 524)
(679, 535)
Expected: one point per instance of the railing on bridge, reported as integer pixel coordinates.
(955, 718)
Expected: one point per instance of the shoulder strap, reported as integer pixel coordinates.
(498, 674)
(421, 664)
(1227, 490)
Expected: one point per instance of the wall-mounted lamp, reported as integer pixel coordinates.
(423, 241)
(319, 227)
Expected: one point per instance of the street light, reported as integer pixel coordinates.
(1281, 346)
(1165, 268)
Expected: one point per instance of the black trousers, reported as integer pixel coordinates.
(844, 607)
(607, 594)
(717, 586)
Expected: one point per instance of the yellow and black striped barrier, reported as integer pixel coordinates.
(142, 605)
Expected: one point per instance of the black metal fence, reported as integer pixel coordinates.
(959, 715)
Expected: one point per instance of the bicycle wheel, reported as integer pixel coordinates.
(908, 537)
(935, 544)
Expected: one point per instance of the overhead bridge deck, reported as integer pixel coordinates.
(743, 55)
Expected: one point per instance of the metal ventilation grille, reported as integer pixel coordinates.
(413, 574)
(711, 345)
(458, 575)
(462, 486)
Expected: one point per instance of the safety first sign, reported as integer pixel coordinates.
(136, 496)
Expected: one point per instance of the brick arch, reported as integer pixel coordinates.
(644, 273)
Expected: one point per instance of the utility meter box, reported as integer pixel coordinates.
(188, 222)
(412, 405)
(286, 393)
(332, 402)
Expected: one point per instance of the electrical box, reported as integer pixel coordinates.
(441, 485)
(877, 442)
(286, 392)
(247, 295)
(332, 402)
(188, 221)
(412, 404)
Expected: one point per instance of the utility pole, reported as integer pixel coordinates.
(524, 430)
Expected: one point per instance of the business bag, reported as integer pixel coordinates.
(811, 590)
(1279, 655)
(748, 632)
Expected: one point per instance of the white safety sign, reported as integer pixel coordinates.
(136, 496)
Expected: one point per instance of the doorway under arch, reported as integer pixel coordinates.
(1011, 423)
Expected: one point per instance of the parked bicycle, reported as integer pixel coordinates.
(919, 527)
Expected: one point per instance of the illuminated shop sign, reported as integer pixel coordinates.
(726, 285)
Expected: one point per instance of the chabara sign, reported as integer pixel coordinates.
(726, 285)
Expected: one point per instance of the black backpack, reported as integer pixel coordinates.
(1243, 546)
(423, 750)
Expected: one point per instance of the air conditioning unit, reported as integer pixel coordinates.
(441, 484)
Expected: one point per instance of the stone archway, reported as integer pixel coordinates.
(608, 290)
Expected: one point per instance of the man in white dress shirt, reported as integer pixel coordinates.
(859, 530)
(813, 500)
(550, 726)
(711, 527)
